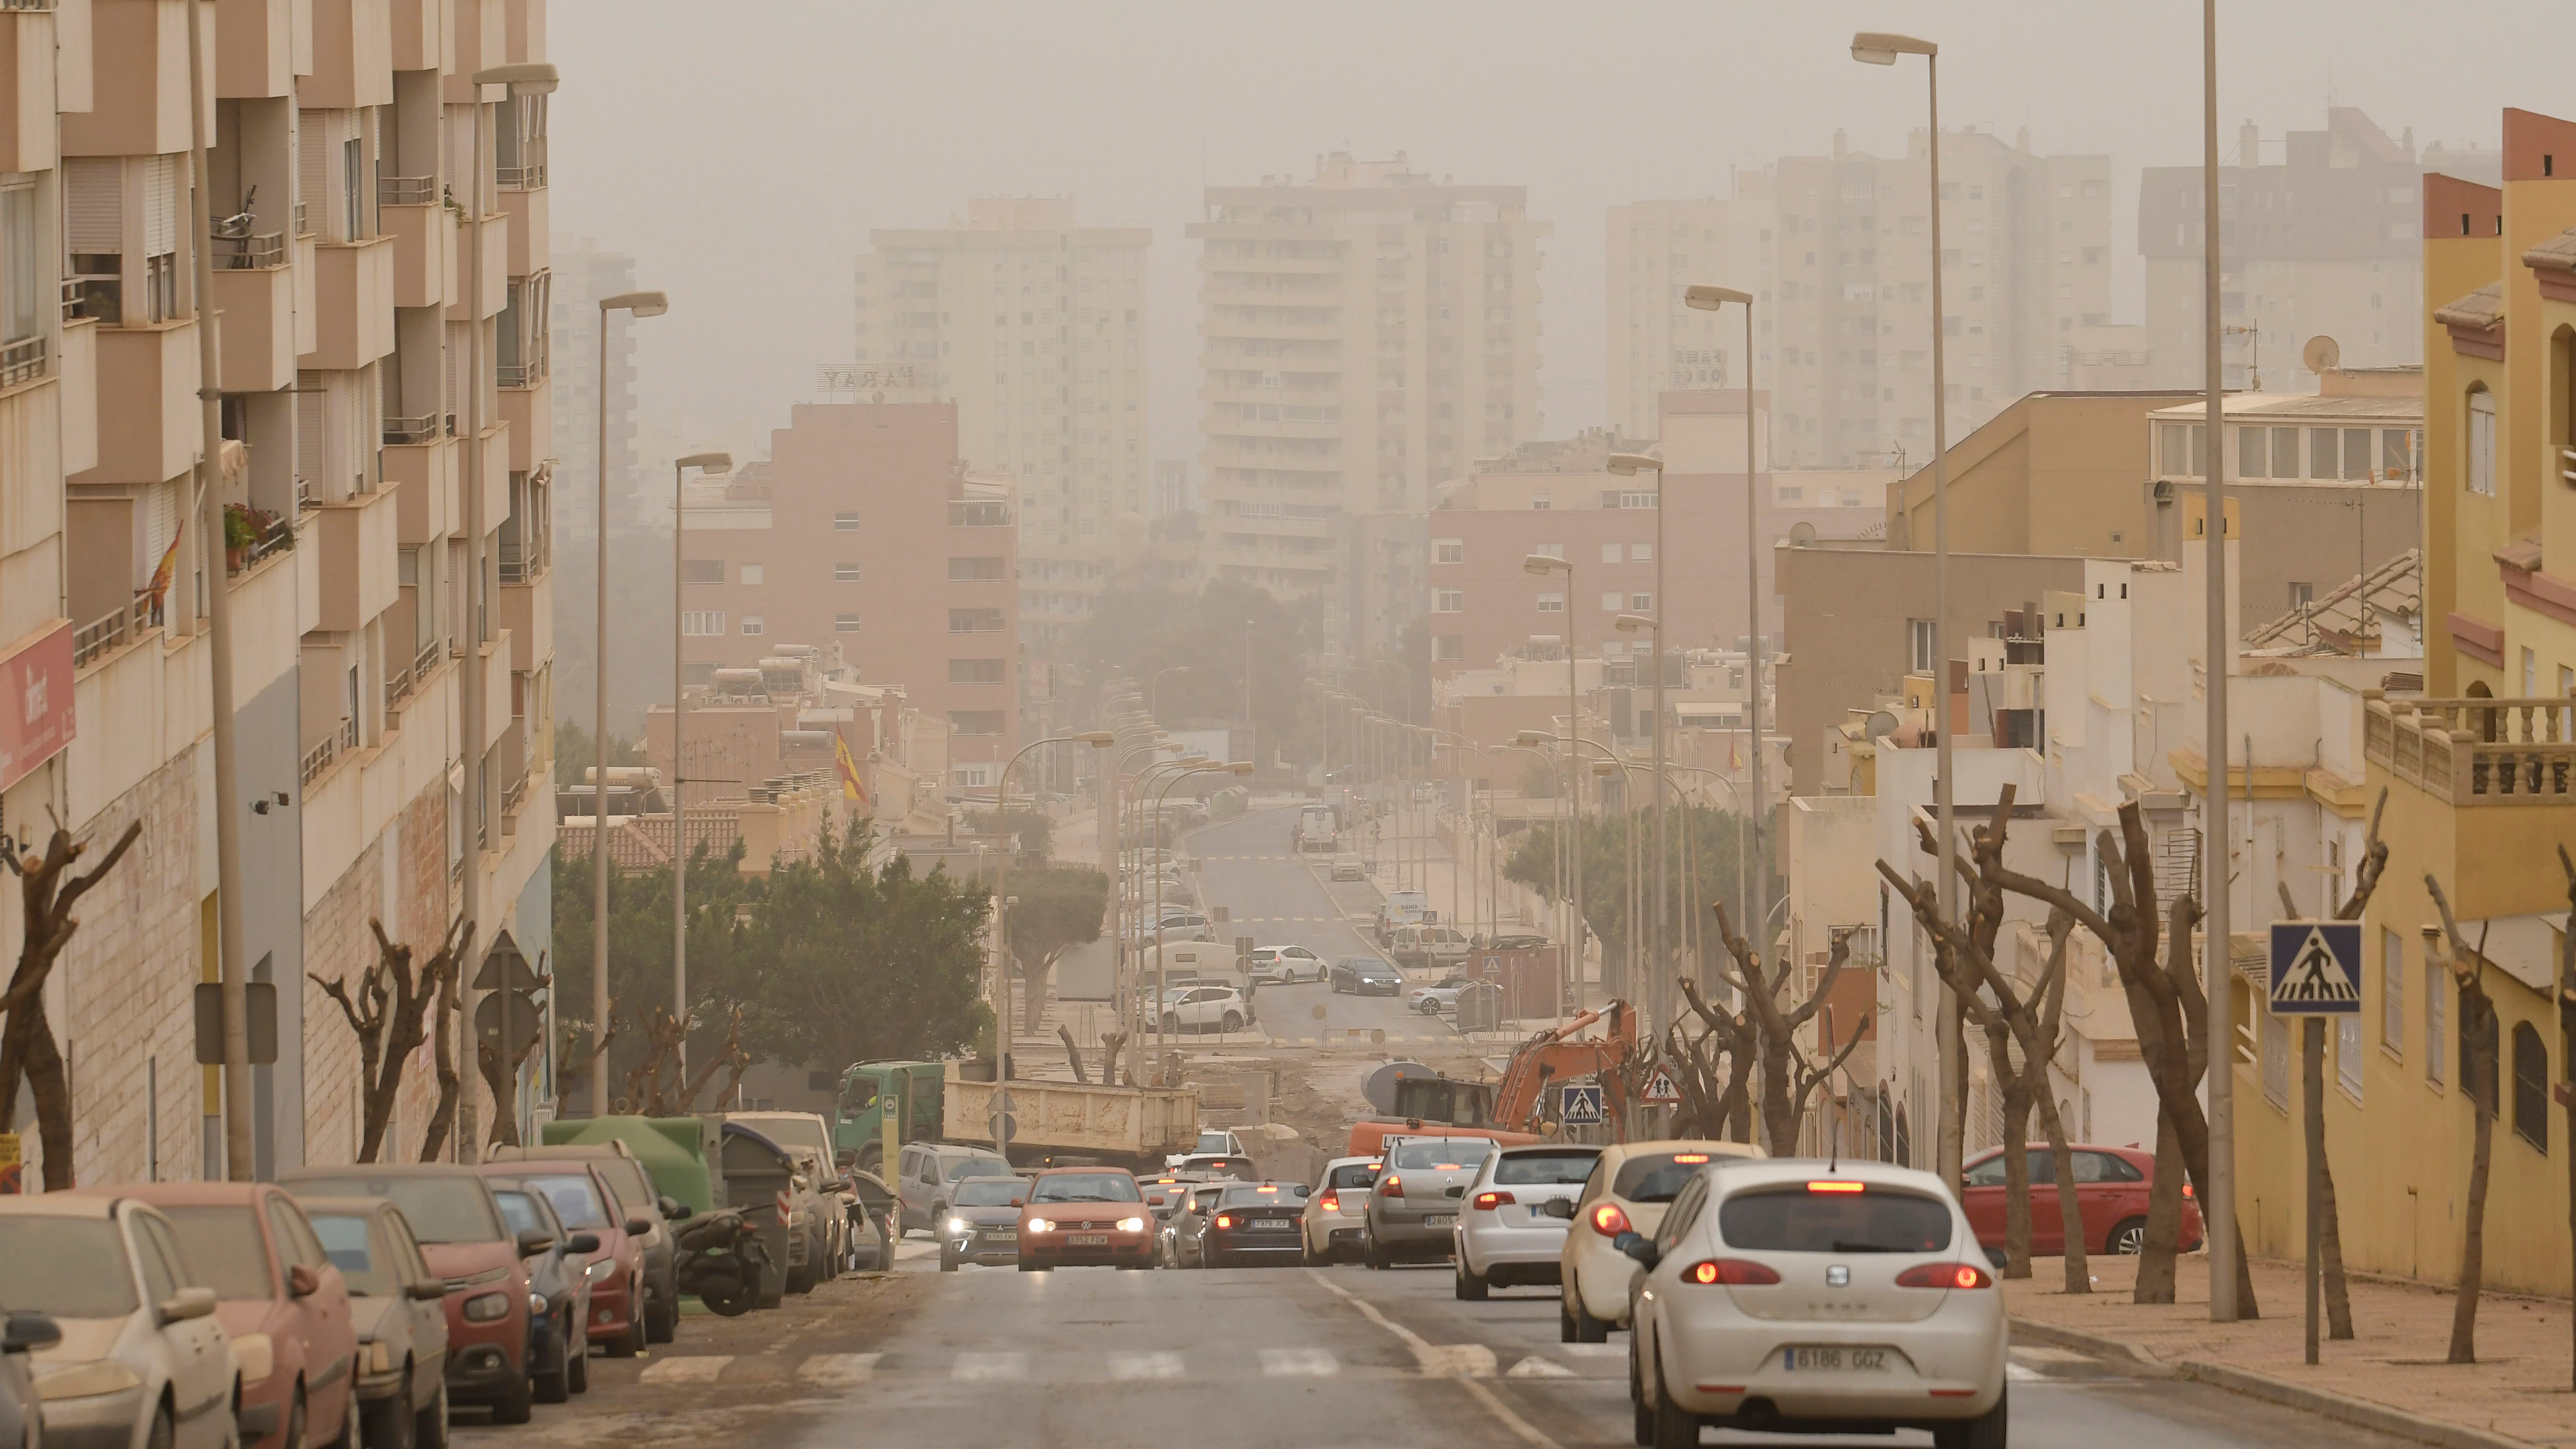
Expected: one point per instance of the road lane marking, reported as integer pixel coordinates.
(1535, 1367)
(2021, 1374)
(1503, 1413)
(988, 1366)
(838, 1370)
(701, 1368)
(1299, 1363)
(1593, 1350)
(1144, 1365)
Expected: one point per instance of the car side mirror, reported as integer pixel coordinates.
(582, 1243)
(185, 1304)
(427, 1290)
(637, 1227)
(1557, 1207)
(1639, 1247)
(677, 1212)
(535, 1241)
(302, 1281)
(29, 1331)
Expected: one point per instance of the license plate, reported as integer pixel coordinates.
(1834, 1360)
(1441, 1220)
(1086, 1240)
(1005, 1234)
(1278, 1222)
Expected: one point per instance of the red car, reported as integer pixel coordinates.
(587, 1204)
(462, 1235)
(2111, 1187)
(1085, 1215)
(251, 1244)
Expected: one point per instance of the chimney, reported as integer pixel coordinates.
(1840, 143)
(2249, 145)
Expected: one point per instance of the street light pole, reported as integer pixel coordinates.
(1632, 463)
(2217, 965)
(1162, 971)
(1098, 740)
(1544, 564)
(714, 462)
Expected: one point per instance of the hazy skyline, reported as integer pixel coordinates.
(742, 153)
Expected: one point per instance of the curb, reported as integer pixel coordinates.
(2092, 1343)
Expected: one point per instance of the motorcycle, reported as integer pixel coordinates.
(722, 1260)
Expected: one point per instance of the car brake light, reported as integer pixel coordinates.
(1488, 1201)
(1608, 1220)
(1945, 1275)
(1733, 1272)
(1331, 1201)
(1446, 1167)
(1837, 1187)
(1391, 1187)
(1225, 1220)
(1694, 1158)
(2186, 1190)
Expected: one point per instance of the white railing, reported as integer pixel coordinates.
(2475, 751)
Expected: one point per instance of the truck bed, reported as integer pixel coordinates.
(1139, 1124)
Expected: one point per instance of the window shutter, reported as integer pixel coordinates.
(309, 412)
(93, 205)
(312, 163)
(453, 375)
(353, 447)
(160, 205)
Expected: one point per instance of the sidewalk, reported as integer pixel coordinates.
(2390, 1373)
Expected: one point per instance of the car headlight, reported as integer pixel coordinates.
(85, 1380)
(256, 1355)
(957, 1227)
(537, 1304)
(485, 1307)
(1041, 1225)
(380, 1357)
(1131, 1225)
(601, 1268)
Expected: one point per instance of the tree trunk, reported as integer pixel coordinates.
(2473, 1241)
(442, 1117)
(2164, 1217)
(2016, 1095)
(53, 1094)
(2070, 1214)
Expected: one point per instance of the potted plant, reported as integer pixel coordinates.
(243, 527)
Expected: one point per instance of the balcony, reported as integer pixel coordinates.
(492, 234)
(528, 406)
(100, 638)
(353, 285)
(528, 614)
(352, 56)
(421, 473)
(147, 383)
(417, 41)
(979, 513)
(424, 238)
(531, 222)
(2475, 752)
(254, 48)
(255, 292)
(357, 544)
(27, 100)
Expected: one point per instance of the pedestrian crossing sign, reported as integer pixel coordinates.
(1579, 1104)
(2316, 968)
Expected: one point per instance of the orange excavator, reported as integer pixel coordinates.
(1509, 1112)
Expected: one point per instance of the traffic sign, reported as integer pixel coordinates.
(1004, 1126)
(1579, 1104)
(2316, 968)
(1660, 1088)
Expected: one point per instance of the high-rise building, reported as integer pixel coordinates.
(1837, 251)
(2322, 242)
(584, 274)
(1364, 336)
(1034, 326)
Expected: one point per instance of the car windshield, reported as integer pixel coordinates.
(344, 1238)
(1351, 1175)
(1657, 1176)
(1441, 1154)
(224, 1249)
(626, 1178)
(1215, 1142)
(521, 1210)
(1265, 1195)
(977, 1167)
(1544, 1169)
(796, 1130)
(1802, 1220)
(1086, 1187)
(575, 1199)
(439, 1209)
(992, 1192)
(68, 1267)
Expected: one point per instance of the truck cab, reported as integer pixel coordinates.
(869, 1090)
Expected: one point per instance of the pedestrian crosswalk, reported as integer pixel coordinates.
(855, 1370)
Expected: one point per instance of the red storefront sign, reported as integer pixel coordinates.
(35, 701)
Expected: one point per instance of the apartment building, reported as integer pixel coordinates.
(1034, 326)
(1655, 344)
(372, 400)
(1365, 335)
(864, 530)
(2321, 242)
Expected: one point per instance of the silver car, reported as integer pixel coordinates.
(22, 1414)
(1416, 1200)
(141, 1363)
(398, 1307)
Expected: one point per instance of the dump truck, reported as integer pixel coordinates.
(1051, 1122)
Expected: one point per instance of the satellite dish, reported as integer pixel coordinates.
(1881, 724)
(1801, 534)
(1379, 1085)
(2321, 354)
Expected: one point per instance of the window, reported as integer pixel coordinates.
(2348, 1054)
(2482, 442)
(974, 570)
(974, 621)
(2397, 453)
(1549, 550)
(1641, 553)
(752, 574)
(1551, 603)
(702, 571)
(845, 522)
(1921, 642)
(2435, 999)
(753, 624)
(2301, 595)
(2178, 447)
(845, 623)
(2253, 452)
(2530, 1087)
(1448, 601)
(975, 671)
(1448, 550)
(1641, 603)
(2392, 992)
(845, 573)
(22, 286)
(975, 721)
(1610, 553)
(700, 623)
(1613, 601)
(1448, 648)
(1540, 499)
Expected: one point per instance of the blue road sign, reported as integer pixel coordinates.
(2316, 968)
(1579, 1104)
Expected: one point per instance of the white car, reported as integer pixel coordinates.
(1793, 1295)
(141, 1359)
(1506, 1237)
(1433, 1000)
(1628, 1191)
(1284, 965)
(1336, 1217)
(1206, 1008)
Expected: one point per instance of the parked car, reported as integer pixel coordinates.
(809, 1138)
(1428, 945)
(1506, 1237)
(138, 1357)
(615, 1270)
(1335, 1220)
(636, 1194)
(22, 1409)
(1206, 1008)
(1347, 866)
(983, 1224)
(1078, 1215)
(251, 1244)
(1627, 1190)
(1253, 1222)
(873, 1231)
(1366, 976)
(1416, 1199)
(925, 1170)
(2111, 1189)
(1518, 942)
(1284, 965)
(1836, 1299)
(1175, 925)
(559, 1278)
(1433, 1000)
(395, 1306)
(458, 1224)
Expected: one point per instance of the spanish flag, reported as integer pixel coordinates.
(854, 785)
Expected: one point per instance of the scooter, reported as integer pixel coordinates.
(722, 1260)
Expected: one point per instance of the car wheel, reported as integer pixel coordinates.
(1373, 1253)
(1588, 1329)
(947, 1261)
(2129, 1238)
(1429, 1007)
(1675, 1426)
(1471, 1284)
(514, 1403)
(577, 1363)
(429, 1425)
(1565, 1316)
(554, 1385)
(163, 1434)
(295, 1422)
(1211, 1258)
(662, 1314)
(1986, 1431)
(1171, 1023)
(1232, 1023)
(1642, 1422)
(393, 1424)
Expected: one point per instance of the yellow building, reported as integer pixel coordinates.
(2480, 771)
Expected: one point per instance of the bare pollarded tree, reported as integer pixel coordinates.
(1788, 1078)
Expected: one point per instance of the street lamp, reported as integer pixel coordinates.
(713, 463)
(1630, 624)
(1154, 690)
(640, 304)
(1145, 781)
(1162, 973)
(2218, 1199)
(1098, 740)
(1881, 48)
(1544, 564)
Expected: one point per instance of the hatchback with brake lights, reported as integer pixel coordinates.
(1507, 1236)
(1813, 1298)
(1414, 1205)
(1336, 1217)
(1629, 1188)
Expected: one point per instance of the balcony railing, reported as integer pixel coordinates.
(2477, 751)
(397, 689)
(22, 360)
(26, 4)
(302, 227)
(319, 758)
(979, 514)
(99, 638)
(521, 374)
(99, 299)
(427, 659)
(414, 428)
(254, 253)
(276, 538)
(406, 190)
(520, 178)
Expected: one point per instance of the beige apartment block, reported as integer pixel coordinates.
(1034, 326)
(1365, 335)
(341, 129)
(1655, 344)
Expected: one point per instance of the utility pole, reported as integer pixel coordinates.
(2220, 1191)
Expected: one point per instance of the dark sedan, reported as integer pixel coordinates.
(1255, 1221)
(1366, 976)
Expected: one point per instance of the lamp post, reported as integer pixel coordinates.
(640, 304)
(1113, 851)
(2216, 985)
(1162, 974)
(1880, 48)
(1098, 740)
(1542, 565)
(714, 463)
(1154, 690)
(1142, 794)
(1630, 624)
